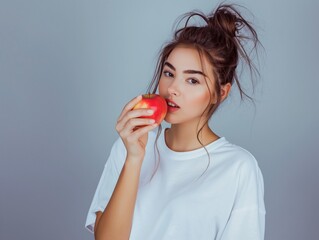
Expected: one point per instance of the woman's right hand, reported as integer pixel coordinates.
(133, 129)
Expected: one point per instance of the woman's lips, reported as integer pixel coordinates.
(172, 106)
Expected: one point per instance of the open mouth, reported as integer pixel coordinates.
(171, 104)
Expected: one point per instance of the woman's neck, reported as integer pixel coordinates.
(181, 138)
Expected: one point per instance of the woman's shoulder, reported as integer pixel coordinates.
(242, 165)
(240, 156)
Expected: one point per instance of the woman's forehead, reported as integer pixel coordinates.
(185, 57)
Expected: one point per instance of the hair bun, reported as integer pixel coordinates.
(225, 19)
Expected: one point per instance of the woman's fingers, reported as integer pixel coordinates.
(128, 107)
(134, 123)
(135, 142)
(133, 114)
(132, 126)
(137, 134)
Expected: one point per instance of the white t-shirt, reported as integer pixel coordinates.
(226, 202)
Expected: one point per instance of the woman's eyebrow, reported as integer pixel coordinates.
(169, 65)
(185, 71)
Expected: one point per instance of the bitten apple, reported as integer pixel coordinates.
(155, 102)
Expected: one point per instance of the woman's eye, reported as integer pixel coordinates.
(168, 74)
(193, 81)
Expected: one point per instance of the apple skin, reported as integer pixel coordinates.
(155, 102)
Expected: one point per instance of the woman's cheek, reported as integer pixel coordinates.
(200, 100)
(163, 88)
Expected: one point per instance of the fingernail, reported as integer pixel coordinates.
(151, 121)
(150, 111)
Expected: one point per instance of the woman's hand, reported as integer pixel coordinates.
(133, 129)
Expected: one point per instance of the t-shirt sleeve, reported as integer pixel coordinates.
(247, 219)
(107, 182)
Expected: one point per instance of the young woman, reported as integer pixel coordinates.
(184, 182)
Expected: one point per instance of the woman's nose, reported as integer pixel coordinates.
(173, 89)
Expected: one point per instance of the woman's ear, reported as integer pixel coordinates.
(224, 91)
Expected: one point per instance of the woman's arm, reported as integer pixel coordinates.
(116, 220)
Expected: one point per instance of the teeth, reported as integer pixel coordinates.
(171, 104)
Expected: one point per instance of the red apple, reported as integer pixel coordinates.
(155, 102)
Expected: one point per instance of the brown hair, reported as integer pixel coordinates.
(221, 40)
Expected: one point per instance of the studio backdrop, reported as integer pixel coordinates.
(68, 67)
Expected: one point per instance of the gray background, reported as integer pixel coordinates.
(67, 68)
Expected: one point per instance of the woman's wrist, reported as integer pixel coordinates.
(134, 161)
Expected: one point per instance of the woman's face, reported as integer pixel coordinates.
(187, 85)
